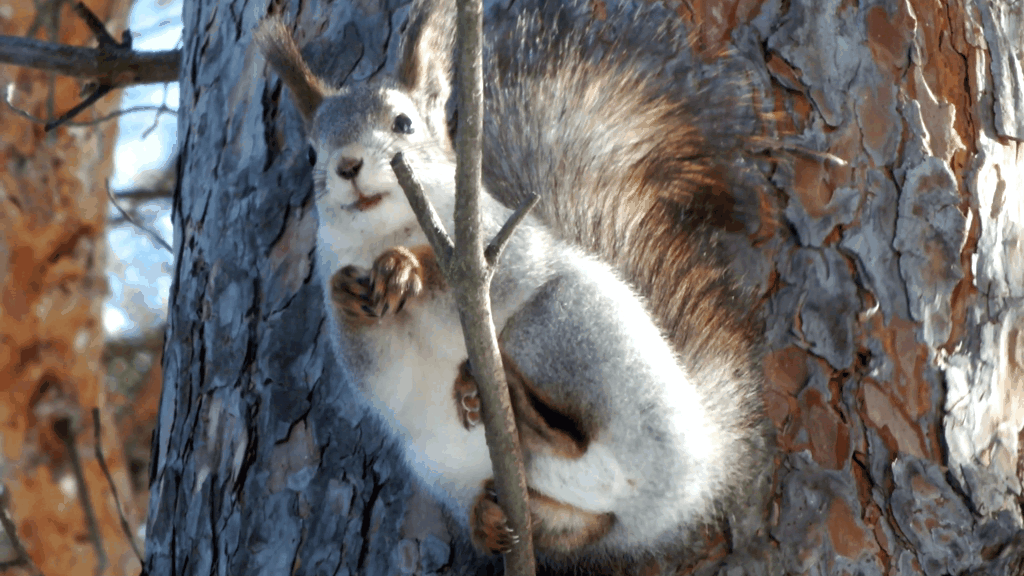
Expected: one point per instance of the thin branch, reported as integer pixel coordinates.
(472, 288)
(11, 529)
(99, 30)
(425, 213)
(493, 251)
(481, 342)
(49, 10)
(144, 194)
(160, 110)
(149, 232)
(63, 430)
(8, 98)
(122, 67)
(469, 272)
(50, 18)
(110, 481)
(112, 65)
(156, 118)
(100, 91)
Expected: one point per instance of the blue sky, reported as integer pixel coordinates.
(139, 270)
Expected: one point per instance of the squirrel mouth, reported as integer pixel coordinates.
(365, 203)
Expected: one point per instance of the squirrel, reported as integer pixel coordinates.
(633, 355)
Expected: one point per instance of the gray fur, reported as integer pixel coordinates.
(664, 365)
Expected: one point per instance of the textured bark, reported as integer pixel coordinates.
(895, 371)
(53, 205)
(896, 290)
(264, 461)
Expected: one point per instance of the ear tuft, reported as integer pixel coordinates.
(425, 67)
(278, 46)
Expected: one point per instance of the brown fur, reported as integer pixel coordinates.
(544, 427)
(644, 172)
(280, 50)
(657, 203)
(557, 527)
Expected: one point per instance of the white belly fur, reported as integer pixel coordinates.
(413, 385)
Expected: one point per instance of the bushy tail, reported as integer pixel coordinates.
(633, 141)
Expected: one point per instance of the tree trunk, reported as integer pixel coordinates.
(894, 311)
(53, 208)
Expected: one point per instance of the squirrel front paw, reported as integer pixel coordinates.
(467, 398)
(488, 524)
(367, 297)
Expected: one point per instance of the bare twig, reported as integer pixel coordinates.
(497, 245)
(63, 430)
(156, 118)
(23, 558)
(46, 10)
(112, 64)
(425, 213)
(160, 110)
(116, 114)
(49, 16)
(471, 280)
(149, 232)
(110, 480)
(99, 30)
(100, 91)
(469, 272)
(144, 194)
(126, 67)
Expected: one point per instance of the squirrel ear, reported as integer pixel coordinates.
(279, 48)
(425, 66)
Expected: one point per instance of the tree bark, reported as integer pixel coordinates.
(895, 290)
(53, 205)
(265, 460)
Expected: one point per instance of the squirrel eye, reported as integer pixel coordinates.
(402, 125)
(311, 155)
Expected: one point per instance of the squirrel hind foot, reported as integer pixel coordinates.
(558, 529)
(562, 529)
(543, 426)
(467, 398)
(488, 524)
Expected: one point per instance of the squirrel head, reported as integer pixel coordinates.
(355, 131)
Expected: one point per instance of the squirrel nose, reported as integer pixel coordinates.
(348, 167)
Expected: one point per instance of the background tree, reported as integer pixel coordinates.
(895, 303)
(53, 208)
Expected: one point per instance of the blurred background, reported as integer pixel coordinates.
(86, 265)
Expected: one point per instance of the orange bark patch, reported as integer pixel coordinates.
(899, 338)
(810, 187)
(889, 35)
(785, 373)
(892, 423)
(829, 435)
(849, 538)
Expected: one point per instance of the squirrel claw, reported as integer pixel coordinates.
(488, 523)
(366, 297)
(467, 400)
(349, 295)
